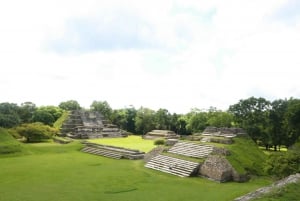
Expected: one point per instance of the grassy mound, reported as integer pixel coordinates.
(246, 157)
(8, 144)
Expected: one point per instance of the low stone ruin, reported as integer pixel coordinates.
(166, 134)
(112, 151)
(223, 132)
(215, 166)
(218, 168)
(180, 167)
(87, 124)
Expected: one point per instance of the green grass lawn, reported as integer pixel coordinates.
(132, 142)
(8, 145)
(51, 171)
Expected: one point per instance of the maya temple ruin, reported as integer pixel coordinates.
(87, 125)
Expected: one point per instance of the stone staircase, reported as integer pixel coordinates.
(175, 166)
(191, 149)
(112, 151)
(102, 152)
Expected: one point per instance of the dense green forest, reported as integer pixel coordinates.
(268, 123)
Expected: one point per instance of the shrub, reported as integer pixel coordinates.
(36, 132)
(159, 142)
(283, 164)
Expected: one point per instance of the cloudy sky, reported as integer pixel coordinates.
(173, 54)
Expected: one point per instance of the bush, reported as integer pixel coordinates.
(36, 132)
(159, 142)
(283, 164)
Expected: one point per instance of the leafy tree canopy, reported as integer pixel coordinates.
(69, 105)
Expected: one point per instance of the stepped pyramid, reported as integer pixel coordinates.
(89, 124)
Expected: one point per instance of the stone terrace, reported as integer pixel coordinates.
(191, 149)
(112, 151)
(223, 132)
(175, 166)
(161, 134)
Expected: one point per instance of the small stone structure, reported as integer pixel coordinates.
(223, 132)
(171, 142)
(87, 124)
(175, 166)
(217, 168)
(166, 134)
(112, 151)
(179, 167)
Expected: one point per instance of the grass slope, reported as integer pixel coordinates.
(59, 122)
(8, 144)
(63, 173)
(131, 142)
(246, 157)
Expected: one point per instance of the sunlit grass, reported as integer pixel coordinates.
(63, 173)
(131, 142)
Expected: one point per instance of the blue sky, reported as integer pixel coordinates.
(173, 54)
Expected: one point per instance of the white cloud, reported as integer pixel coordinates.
(205, 53)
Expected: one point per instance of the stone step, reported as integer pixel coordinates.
(113, 151)
(189, 152)
(167, 170)
(183, 164)
(102, 152)
(191, 149)
(172, 165)
(172, 168)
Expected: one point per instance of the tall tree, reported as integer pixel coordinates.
(292, 121)
(9, 116)
(119, 118)
(144, 120)
(162, 119)
(277, 127)
(69, 105)
(47, 114)
(103, 107)
(26, 111)
(181, 125)
(197, 120)
(219, 118)
(252, 115)
(130, 116)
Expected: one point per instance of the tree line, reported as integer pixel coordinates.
(269, 123)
